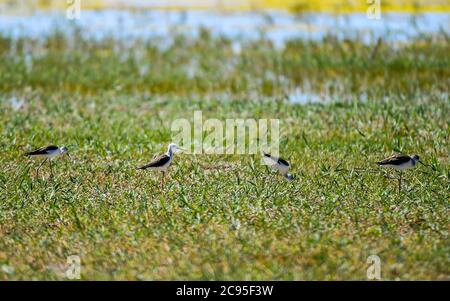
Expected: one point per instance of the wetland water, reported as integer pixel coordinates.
(277, 26)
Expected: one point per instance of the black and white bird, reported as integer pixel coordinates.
(278, 164)
(162, 162)
(400, 162)
(49, 153)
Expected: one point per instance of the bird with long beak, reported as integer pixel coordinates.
(162, 162)
(278, 164)
(49, 153)
(400, 162)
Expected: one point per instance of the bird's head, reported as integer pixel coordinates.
(64, 150)
(416, 159)
(289, 176)
(173, 147)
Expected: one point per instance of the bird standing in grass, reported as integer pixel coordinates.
(278, 164)
(400, 162)
(48, 152)
(162, 162)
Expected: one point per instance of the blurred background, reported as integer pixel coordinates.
(315, 34)
(278, 20)
(293, 5)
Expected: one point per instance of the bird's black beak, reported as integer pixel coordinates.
(69, 156)
(422, 163)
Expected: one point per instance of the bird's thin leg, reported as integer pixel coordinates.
(51, 168)
(40, 165)
(400, 182)
(162, 180)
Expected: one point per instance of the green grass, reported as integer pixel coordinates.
(237, 220)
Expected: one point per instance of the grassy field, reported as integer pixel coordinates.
(224, 217)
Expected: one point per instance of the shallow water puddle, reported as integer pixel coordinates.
(277, 26)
